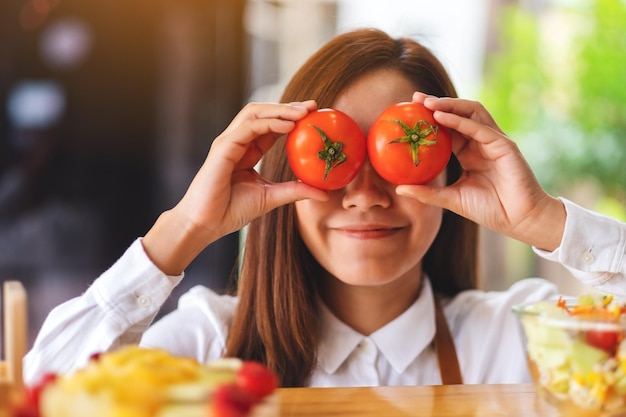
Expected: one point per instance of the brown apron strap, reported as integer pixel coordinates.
(446, 352)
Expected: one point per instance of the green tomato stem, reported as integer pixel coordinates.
(332, 153)
(416, 136)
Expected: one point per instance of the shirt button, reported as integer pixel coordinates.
(143, 301)
(587, 257)
(368, 349)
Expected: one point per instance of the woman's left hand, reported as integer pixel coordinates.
(497, 189)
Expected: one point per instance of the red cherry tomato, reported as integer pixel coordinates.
(603, 339)
(230, 400)
(326, 149)
(406, 145)
(256, 379)
(28, 402)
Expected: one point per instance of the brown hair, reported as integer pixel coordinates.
(276, 321)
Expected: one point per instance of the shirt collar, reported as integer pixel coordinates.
(400, 341)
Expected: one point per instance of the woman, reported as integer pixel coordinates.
(325, 76)
(371, 284)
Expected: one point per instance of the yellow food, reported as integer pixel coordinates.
(136, 382)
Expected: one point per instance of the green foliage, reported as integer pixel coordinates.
(601, 74)
(557, 85)
(513, 77)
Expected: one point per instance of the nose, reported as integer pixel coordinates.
(367, 190)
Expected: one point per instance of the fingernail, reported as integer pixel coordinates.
(400, 190)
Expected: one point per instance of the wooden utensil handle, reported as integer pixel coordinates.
(15, 330)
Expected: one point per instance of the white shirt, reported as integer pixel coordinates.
(121, 304)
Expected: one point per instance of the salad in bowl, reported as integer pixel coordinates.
(576, 351)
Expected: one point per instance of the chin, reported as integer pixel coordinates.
(367, 277)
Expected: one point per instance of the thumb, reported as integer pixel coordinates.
(444, 197)
(279, 194)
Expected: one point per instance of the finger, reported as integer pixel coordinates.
(465, 108)
(494, 144)
(419, 97)
(259, 111)
(279, 194)
(265, 143)
(310, 105)
(444, 197)
(289, 111)
(458, 141)
(286, 111)
(259, 147)
(477, 131)
(240, 146)
(265, 140)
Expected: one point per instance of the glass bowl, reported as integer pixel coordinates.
(576, 352)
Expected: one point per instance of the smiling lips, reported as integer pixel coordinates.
(367, 231)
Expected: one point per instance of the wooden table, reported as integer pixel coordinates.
(449, 400)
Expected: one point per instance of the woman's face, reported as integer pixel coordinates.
(366, 235)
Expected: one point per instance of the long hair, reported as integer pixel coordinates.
(277, 318)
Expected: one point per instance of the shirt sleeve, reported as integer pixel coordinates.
(116, 310)
(592, 249)
(198, 328)
(487, 333)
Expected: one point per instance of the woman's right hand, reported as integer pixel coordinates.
(227, 193)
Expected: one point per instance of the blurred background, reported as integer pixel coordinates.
(107, 109)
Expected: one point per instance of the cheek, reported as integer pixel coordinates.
(311, 220)
(302, 208)
(311, 213)
(308, 221)
(434, 222)
(426, 224)
(308, 215)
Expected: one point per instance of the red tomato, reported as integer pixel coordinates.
(326, 149)
(406, 145)
(27, 403)
(603, 339)
(256, 379)
(230, 400)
